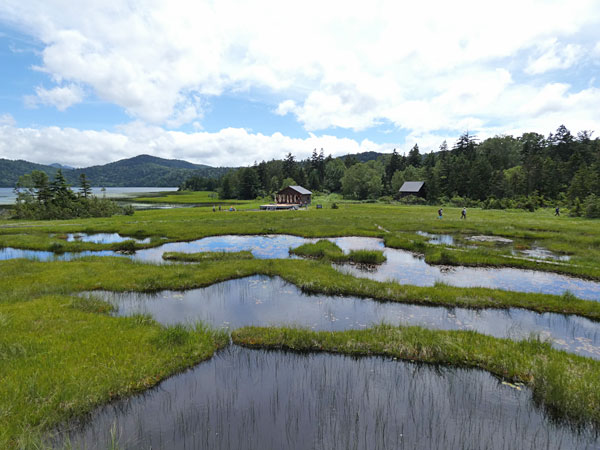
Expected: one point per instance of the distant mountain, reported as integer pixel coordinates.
(10, 170)
(364, 156)
(141, 170)
(61, 166)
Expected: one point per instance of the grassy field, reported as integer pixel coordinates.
(60, 356)
(567, 386)
(187, 198)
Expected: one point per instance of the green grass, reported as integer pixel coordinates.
(207, 256)
(329, 251)
(566, 385)
(60, 359)
(187, 197)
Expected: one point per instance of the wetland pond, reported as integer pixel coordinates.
(401, 266)
(264, 301)
(255, 399)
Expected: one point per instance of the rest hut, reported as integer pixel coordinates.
(416, 188)
(293, 195)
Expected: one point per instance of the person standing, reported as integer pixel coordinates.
(557, 211)
(463, 214)
(440, 212)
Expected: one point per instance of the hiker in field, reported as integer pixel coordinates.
(557, 211)
(463, 214)
(440, 211)
(213, 208)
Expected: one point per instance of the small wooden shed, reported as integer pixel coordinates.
(416, 188)
(293, 195)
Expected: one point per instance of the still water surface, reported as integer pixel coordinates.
(254, 399)
(264, 301)
(401, 266)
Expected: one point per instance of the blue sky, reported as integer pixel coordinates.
(225, 84)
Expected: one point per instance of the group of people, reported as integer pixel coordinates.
(463, 214)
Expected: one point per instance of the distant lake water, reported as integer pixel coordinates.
(7, 196)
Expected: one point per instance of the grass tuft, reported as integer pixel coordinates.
(207, 256)
(329, 251)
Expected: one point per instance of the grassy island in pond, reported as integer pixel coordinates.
(207, 256)
(329, 251)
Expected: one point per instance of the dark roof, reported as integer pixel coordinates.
(412, 186)
(298, 189)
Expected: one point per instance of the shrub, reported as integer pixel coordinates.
(592, 207)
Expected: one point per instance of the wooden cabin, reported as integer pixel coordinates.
(416, 188)
(293, 195)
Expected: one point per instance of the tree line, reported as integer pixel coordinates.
(528, 171)
(40, 198)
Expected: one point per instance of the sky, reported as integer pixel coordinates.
(228, 83)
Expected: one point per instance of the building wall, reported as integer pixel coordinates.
(288, 195)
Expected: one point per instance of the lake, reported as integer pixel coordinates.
(7, 196)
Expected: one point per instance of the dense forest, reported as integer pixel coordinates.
(527, 172)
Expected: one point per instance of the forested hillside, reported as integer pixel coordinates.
(142, 170)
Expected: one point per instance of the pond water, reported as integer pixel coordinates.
(103, 238)
(535, 252)
(264, 301)
(541, 253)
(254, 399)
(437, 239)
(406, 268)
(401, 266)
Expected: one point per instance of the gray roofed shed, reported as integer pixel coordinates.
(296, 195)
(413, 188)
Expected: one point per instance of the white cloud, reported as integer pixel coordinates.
(352, 65)
(554, 56)
(7, 119)
(228, 147)
(59, 97)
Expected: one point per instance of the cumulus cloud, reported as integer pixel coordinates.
(7, 119)
(554, 56)
(59, 97)
(352, 65)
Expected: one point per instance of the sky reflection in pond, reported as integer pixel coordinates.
(264, 301)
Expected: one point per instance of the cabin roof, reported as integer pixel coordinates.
(298, 189)
(412, 186)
